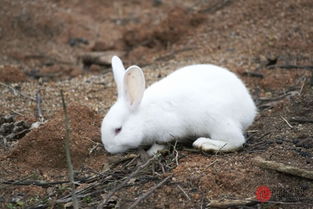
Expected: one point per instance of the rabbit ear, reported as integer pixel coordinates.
(118, 74)
(134, 86)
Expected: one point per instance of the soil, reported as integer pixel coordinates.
(266, 43)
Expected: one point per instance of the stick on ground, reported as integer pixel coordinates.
(38, 106)
(34, 183)
(301, 120)
(305, 67)
(67, 151)
(148, 193)
(17, 92)
(232, 203)
(280, 167)
(118, 187)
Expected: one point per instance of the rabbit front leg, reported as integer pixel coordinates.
(155, 148)
(225, 137)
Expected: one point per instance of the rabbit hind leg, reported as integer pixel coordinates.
(226, 140)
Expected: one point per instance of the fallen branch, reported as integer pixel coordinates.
(123, 159)
(265, 102)
(261, 137)
(300, 120)
(253, 74)
(232, 203)
(17, 92)
(148, 193)
(304, 67)
(287, 94)
(67, 152)
(250, 202)
(139, 168)
(286, 121)
(34, 183)
(280, 167)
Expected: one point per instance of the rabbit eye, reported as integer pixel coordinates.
(117, 130)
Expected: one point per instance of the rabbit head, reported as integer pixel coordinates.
(120, 128)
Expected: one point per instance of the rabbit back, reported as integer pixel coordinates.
(193, 100)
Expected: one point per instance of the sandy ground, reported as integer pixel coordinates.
(44, 45)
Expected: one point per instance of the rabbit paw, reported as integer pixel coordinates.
(155, 148)
(207, 144)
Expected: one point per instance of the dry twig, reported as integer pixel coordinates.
(300, 120)
(17, 92)
(34, 183)
(253, 74)
(232, 203)
(287, 122)
(307, 67)
(38, 106)
(67, 152)
(184, 192)
(148, 193)
(176, 153)
(283, 168)
(280, 97)
(139, 168)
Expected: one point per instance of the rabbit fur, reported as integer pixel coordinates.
(203, 101)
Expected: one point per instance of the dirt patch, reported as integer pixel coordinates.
(144, 40)
(12, 74)
(43, 147)
(178, 23)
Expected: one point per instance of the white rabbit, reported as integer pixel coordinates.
(201, 100)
